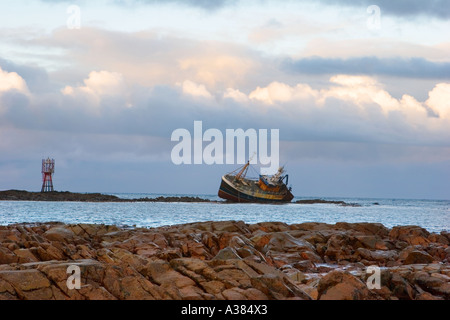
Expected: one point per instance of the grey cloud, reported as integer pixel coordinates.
(401, 67)
(203, 4)
(403, 8)
(164, 109)
(37, 78)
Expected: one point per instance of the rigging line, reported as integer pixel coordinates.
(256, 172)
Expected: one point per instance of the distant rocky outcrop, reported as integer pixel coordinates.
(321, 201)
(228, 260)
(65, 196)
(17, 195)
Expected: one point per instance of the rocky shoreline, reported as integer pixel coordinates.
(19, 195)
(66, 196)
(227, 260)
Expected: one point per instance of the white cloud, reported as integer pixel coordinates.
(212, 68)
(100, 84)
(278, 92)
(12, 81)
(105, 83)
(439, 100)
(196, 90)
(364, 91)
(354, 106)
(236, 95)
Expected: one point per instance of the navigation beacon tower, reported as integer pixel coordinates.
(48, 169)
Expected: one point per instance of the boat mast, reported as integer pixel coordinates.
(243, 172)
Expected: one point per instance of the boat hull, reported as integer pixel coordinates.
(231, 193)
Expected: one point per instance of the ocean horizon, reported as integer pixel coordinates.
(432, 215)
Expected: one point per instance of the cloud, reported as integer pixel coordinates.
(281, 92)
(196, 90)
(202, 4)
(439, 100)
(100, 86)
(401, 67)
(406, 8)
(10, 81)
(100, 83)
(12, 88)
(353, 108)
(213, 67)
(379, 47)
(36, 78)
(402, 8)
(235, 95)
(348, 108)
(365, 91)
(148, 59)
(361, 91)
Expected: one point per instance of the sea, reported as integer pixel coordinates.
(433, 215)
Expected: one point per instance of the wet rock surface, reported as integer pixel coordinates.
(227, 260)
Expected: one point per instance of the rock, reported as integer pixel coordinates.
(254, 294)
(310, 291)
(438, 238)
(377, 255)
(375, 229)
(313, 226)
(284, 242)
(91, 292)
(339, 285)
(446, 234)
(135, 288)
(25, 256)
(432, 284)
(59, 234)
(413, 235)
(368, 242)
(314, 238)
(234, 294)
(416, 256)
(340, 247)
(321, 201)
(222, 260)
(18, 195)
(305, 266)
(295, 275)
(401, 288)
(7, 292)
(213, 287)
(226, 254)
(260, 239)
(29, 284)
(427, 296)
(269, 227)
(161, 273)
(197, 250)
(274, 286)
(7, 257)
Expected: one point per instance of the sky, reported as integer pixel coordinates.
(359, 91)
